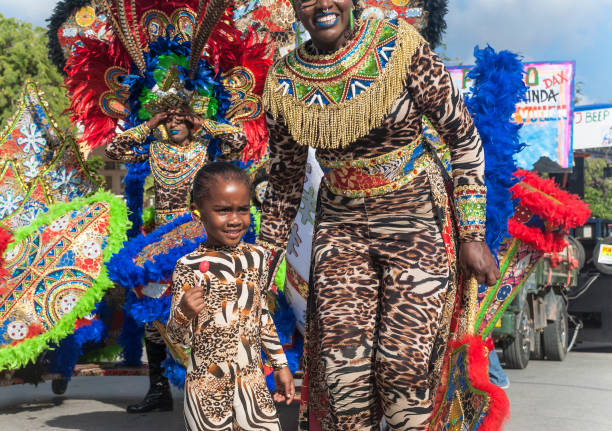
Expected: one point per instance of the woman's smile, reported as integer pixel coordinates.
(326, 20)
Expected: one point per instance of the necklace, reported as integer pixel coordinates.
(173, 165)
(330, 100)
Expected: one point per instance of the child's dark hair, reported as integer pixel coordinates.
(210, 173)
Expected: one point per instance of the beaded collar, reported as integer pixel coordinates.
(328, 101)
(172, 165)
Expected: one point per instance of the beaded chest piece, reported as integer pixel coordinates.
(172, 165)
(328, 101)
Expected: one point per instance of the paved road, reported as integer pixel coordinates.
(573, 395)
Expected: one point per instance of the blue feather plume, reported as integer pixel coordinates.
(498, 87)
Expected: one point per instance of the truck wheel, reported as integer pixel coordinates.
(555, 337)
(516, 354)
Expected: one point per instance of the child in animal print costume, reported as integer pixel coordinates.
(179, 149)
(219, 309)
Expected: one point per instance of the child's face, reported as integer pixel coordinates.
(225, 212)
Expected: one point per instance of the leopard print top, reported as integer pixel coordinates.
(236, 324)
(430, 92)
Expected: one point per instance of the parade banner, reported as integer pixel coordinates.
(547, 114)
(592, 127)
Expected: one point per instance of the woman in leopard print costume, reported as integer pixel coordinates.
(388, 223)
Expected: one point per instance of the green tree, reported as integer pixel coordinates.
(23, 55)
(597, 188)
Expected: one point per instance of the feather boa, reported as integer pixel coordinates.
(64, 357)
(498, 87)
(123, 271)
(228, 49)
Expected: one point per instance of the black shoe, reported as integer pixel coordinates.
(158, 399)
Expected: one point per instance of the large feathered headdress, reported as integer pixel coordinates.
(146, 56)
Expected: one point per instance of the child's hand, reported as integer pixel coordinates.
(285, 388)
(192, 301)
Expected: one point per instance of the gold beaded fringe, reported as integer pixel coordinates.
(337, 126)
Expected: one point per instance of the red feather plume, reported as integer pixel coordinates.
(86, 83)
(229, 48)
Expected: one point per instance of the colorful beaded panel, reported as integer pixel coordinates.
(462, 405)
(471, 204)
(378, 175)
(166, 216)
(173, 165)
(326, 80)
(50, 270)
(190, 231)
(38, 164)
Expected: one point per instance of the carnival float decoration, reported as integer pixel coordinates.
(54, 273)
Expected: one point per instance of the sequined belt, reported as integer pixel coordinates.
(378, 175)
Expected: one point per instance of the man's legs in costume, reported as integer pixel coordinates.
(159, 397)
(380, 278)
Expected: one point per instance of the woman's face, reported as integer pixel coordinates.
(326, 21)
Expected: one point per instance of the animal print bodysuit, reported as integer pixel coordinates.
(225, 388)
(383, 262)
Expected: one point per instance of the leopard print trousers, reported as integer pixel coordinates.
(379, 280)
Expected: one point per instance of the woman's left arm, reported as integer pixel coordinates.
(433, 91)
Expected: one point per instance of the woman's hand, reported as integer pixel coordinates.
(285, 387)
(476, 259)
(192, 302)
(190, 117)
(159, 118)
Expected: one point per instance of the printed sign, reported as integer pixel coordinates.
(605, 254)
(592, 127)
(546, 114)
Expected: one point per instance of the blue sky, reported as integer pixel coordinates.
(539, 30)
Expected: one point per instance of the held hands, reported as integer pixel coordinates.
(192, 301)
(476, 259)
(285, 387)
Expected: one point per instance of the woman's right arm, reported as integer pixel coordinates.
(284, 191)
(128, 146)
(285, 184)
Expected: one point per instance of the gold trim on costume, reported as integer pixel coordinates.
(339, 123)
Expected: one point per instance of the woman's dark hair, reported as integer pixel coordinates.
(206, 178)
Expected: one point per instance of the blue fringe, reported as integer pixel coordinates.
(498, 87)
(174, 371)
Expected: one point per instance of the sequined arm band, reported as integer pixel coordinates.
(471, 204)
(138, 134)
(214, 128)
